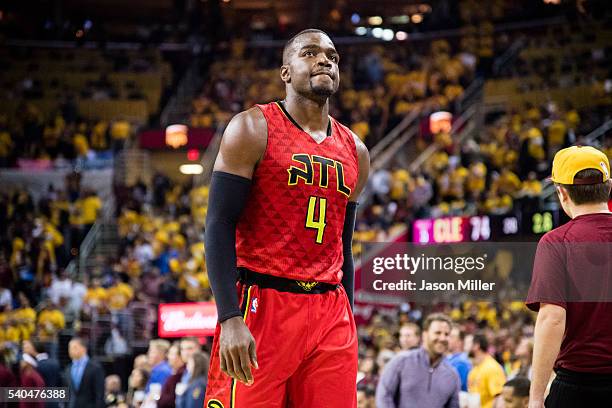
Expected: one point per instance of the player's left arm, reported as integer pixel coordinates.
(348, 268)
(548, 335)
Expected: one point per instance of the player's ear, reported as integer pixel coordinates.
(562, 192)
(285, 74)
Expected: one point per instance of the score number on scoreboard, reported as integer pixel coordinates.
(541, 222)
(446, 230)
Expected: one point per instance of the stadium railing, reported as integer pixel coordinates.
(399, 135)
(177, 108)
(208, 158)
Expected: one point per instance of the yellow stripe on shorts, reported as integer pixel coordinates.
(246, 312)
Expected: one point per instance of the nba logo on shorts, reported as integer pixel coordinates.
(254, 305)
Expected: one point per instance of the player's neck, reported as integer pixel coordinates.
(589, 209)
(312, 116)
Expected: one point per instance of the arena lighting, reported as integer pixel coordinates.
(361, 31)
(335, 15)
(176, 136)
(440, 121)
(375, 20)
(377, 32)
(401, 36)
(193, 154)
(355, 18)
(425, 8)
(191, 169)
(417, 18)
(403, 19)
(552, 1)
(388, 34)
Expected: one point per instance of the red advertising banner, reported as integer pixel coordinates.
(175, 137)
(187, 319)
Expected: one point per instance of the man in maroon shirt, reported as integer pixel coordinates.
(30, 378)
(570, 288)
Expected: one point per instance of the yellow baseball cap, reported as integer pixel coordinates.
(569, 161)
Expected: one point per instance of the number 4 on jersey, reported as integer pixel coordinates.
(319, 224)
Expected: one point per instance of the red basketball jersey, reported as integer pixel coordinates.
(292, 224)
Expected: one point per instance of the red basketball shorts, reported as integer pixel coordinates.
(306, 350)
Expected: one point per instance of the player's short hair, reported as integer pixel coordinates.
(589, 193)
(520, 386)
(437, 317)
(413, 326)
(289, 43)
(482, 341)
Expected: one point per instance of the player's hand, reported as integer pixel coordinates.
(237, 350)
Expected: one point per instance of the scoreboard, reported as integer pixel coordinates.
(476, 228)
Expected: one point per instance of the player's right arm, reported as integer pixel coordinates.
(242, 146)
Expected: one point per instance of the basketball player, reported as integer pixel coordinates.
(281, 215)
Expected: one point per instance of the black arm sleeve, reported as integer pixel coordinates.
(348, 269)
(226, 199)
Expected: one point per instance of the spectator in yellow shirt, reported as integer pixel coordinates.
(96, 296)
(572, 118)
(120, 131)
(50, 321)
(400, 183)
(118, 296)
(12, 333)
(361, 128)
(532, 113)
(6, 147)
(476, 179)
(25, 317)
(487, 377)
(496, 204)
(99, 139)
(90, 208)
(508, 182)
(81, 145)
(532, 187)
(556, 133)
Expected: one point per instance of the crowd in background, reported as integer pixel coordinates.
(488, 344)
(169, 375)
(37, 241)
(380, 84)
(42, 115)
(499, 171)
(59, 139)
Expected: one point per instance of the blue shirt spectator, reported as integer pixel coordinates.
(159, 374)
(462, 364)
(457, 357)
(156, 355)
